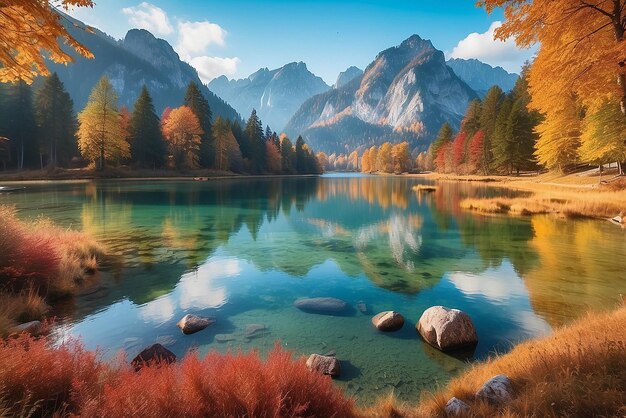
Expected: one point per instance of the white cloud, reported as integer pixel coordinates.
(150, 17)
(211, 67)
(484, 47)
(195, 37)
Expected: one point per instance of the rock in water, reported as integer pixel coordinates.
(496, 390)
(153, 354)
(324, 365)
(32, 327)
(455, 407)
(321, 305)
(446, 328)
(255, 330)
(361, 306)
(388, 321)
(192, 323)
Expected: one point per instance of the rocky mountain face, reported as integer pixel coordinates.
(347, 76)
(275, 94)
(407, 92)
(480, 76)
(138, 59)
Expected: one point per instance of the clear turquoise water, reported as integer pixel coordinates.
(243, 250)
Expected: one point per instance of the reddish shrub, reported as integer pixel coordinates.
(68, 380)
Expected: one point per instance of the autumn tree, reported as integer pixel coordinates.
(353, 161)
(444, 136)
(31, 31)
(183, 133)
(384, 158)
(471, 120)
(100, 135)
(147, 145)
(581, 50)
(227, 152)
(195, 100)
(603, 135)
(458, 150)
(373, 159)
(476, 151)
(559, 137)
(322, 159)
(365, 161)
(401, 157)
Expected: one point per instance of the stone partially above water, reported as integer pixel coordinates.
(154, 354)
(32, 327)
(455, 407)
(191, 324)
(388, 321)
(496, 390)
(321, 305)
(446, 328)
(328, 365)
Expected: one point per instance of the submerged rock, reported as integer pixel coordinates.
(388, 321)
(191, 324)
(224, 338)
(321, 305)
(154, 354)
(446, 328)
(361, 306)
(328, 365)
(496, 390)
(255, 330)
(455, 407)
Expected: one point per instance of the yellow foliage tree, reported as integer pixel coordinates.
(28, 29)
(373, 159)
(603, 135)
(401, 157)
(559, 137)
(182, 131)
(384, 158)
(365, 162)
(101, 136)
(582, 48)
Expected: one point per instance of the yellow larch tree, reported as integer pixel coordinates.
(401, 157)
(101, 136)
(30, 34)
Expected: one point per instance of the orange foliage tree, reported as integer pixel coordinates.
(29, 28)
(182, 131)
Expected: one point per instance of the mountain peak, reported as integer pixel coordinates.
(415, 42)
(347, 76)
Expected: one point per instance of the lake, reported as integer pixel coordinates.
(243, 250)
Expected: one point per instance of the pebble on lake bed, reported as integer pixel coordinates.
(388, 321)
(321, 305)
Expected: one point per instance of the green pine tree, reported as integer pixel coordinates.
(19, 125)
(501, 145)
(254, 133)
(489, 113)
(147, 146)
(56, 122)
(200, 106)
(471, 120)
(444, 136)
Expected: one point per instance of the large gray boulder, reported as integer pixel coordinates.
(155, 354)
(446, 328)
(388, 321)
(455, 407)
(328, 365)
(191, 324)
(496, 390)
(321, 305)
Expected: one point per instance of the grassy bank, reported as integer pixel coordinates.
(39, 262)
(107, 173)
(573, 195)
(578, 371)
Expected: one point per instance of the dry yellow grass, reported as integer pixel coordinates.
(578, 371)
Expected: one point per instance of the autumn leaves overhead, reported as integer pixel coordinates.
(31, 30)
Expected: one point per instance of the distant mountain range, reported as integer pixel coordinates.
(407, 92)
(138, 59)
(480, 76)
(275, 94)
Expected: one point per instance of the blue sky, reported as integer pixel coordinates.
(237, 37)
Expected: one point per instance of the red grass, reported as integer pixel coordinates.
(69, 380)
